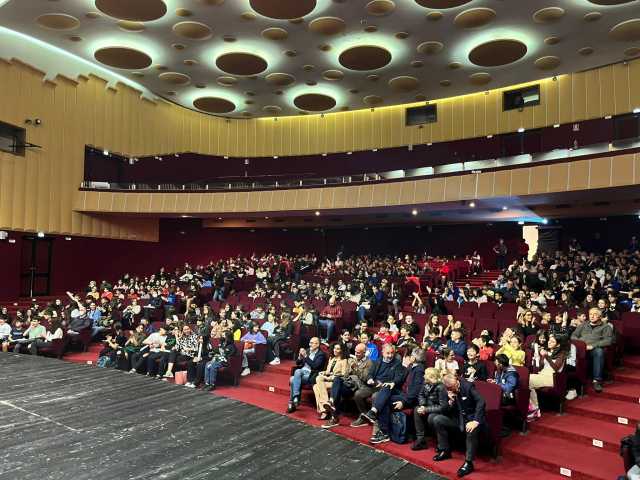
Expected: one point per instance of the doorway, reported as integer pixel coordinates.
(35, 276)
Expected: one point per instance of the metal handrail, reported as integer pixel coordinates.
(452, 168)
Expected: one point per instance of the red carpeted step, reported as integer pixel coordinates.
(605, 409)
(81, 357)
(627, 375)
(625, 392)
(632, 361)
(586, 431)
(554, 454)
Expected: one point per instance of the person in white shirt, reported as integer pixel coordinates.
(154, 343)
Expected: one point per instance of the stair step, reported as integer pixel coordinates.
(627, 375)
(584, 430)
(605, 409)
(625, 392)
(556, 454)
(632, 361)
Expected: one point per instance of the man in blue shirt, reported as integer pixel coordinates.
(309, 364)
(95, 315)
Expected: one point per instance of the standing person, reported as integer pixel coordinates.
(466, 416)
(500, 249)
(308, 366)
(597, 335)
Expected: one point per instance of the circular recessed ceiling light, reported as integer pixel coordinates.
(628, 31)
(314, 102)
(241, 63)
(214, 105)
(136, 11)
(123, 57)
(58, 21)
(327, 25)
(442, 4)
(283, 9)
(497, 53)
(275, 33)
(365, 57)
(474, 18)
(193, 30)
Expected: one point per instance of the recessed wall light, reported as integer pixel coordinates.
(472, 204)
(520, 222)
(414, 212)
(520, 130)
(504, 207)
(317, 213)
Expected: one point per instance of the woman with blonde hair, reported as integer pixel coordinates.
(339, 366)
(432, 399)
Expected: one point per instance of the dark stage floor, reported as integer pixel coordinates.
(66, 421)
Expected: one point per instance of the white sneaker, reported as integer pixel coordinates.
(275, 361)
(571, 395)
(189, 385)
(168, 375)
(245, 372)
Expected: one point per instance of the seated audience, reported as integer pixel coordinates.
(346, 386)
(511, 346)
(597, 335)
(217, 358)
(506, 377)
(34, 332)
(447, 362)
(308, 366)
(328, 317)
(280, 335)
(185, 350)
(5, 333)
(385, 373)
(465, 416)
(339, 365)
(372, 348)
(250, 339)
(401, 396)
(154, 344)
(474, 368)
(433, 399)
(456, 343)
(552, 360)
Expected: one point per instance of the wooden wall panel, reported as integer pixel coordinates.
(595, 173)
(37, 192)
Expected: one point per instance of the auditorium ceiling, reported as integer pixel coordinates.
(265, 58)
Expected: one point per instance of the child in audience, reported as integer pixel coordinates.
(456, 343)
(511, 346)
(372, 349)
(473, 368)
(447, 362)
(384, 335)
(431, 341)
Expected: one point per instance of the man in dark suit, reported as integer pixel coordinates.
(466, 415)
(308, 365)
(403, 395)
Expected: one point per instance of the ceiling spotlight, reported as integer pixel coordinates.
(504, 207)
(219, 218)
(226, 157)
(185, 216)
(266, 218)
(607, 117)
(275, 156)
(555, 79)
(37, 121)
(545, 221)
(489, 136)
(317, 213)
(68, 239)
(105, 153)
(520, 130)
(472, 204)
(40, 234)
(556, 125)
(176, 155)
(636, 110)
(349, 153)
(414, 212)
(374, 150)
(520, 222)
(324, 154)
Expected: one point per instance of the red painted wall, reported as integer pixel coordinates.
(76, 262)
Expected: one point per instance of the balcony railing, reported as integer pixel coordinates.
(615, 148)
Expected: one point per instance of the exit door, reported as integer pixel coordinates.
(35, 277)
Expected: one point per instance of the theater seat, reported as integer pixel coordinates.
(492, 395)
